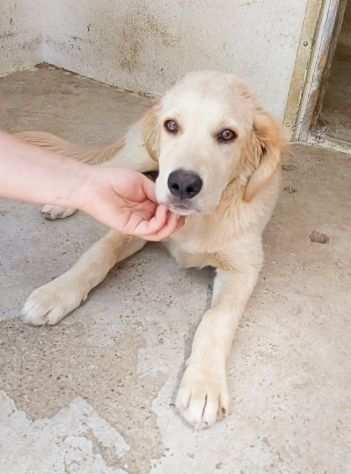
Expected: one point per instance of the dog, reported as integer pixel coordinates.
(217, 152)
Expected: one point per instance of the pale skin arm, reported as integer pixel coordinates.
(121, 199)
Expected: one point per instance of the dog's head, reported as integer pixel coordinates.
(207, 131)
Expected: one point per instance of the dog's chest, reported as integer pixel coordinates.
(197, 251)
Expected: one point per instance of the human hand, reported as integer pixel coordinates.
(122, 199)
(125, 200)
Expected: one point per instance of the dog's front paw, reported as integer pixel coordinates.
(52, 213)
(203, 397)
(51, 303)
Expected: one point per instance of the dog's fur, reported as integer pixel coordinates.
(224, 224)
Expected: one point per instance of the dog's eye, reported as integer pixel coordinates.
(171, 126)
(226, 135)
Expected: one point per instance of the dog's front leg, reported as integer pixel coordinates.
(53, 301)
(203, 394)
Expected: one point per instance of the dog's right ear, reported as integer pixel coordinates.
(151, 128)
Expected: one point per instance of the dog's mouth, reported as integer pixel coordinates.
(181, 209)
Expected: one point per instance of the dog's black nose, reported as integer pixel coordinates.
(184, 184)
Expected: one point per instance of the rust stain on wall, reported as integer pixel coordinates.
(137, 27)
(154, 26)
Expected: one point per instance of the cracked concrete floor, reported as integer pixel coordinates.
(94, 395)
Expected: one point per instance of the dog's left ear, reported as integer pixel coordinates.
(268, 143)
(151, 131)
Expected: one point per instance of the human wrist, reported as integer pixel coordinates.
(85, 190)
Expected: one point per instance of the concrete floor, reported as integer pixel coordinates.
(95, 394)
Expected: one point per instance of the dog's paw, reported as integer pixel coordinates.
(202, 397)
(50, 303)
(52, 213)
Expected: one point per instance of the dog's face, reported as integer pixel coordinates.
(200, 132)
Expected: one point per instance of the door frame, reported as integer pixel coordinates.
(320, 31)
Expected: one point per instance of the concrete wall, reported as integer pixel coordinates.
(20, 34)
(146, 46)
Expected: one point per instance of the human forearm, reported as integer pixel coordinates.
(35, 175)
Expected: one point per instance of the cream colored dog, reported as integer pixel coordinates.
(218, 154)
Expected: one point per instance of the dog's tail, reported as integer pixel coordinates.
(93, 155)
